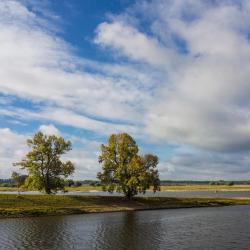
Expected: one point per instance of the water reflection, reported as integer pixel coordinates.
(199, 228)
(127, 232)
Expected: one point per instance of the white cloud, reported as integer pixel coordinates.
(69, 118)
(39, 66)
(132, 43)
(49, 129)
(186, 81)
(86, 163)
(12, 149)
(207, 103)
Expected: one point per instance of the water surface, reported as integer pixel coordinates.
(194, 228)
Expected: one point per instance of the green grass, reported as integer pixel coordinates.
(10, 189)
(38, 205)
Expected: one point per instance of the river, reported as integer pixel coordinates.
(194, 228)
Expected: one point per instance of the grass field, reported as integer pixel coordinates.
(9, 189)
(37, 205)
(88, 188)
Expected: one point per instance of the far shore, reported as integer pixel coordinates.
(13, 206)
(167, 188)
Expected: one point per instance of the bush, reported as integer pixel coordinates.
(77, 184)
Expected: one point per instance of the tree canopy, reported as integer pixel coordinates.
(124, 170)
(45, 168)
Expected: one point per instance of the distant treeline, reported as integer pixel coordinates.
(77, 183)
(184, 182)
(7, 183)
(6, 180)
(166, 182)
(216, 182)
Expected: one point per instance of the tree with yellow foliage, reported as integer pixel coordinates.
(124, 170)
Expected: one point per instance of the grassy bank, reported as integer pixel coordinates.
(38, 205)
(8, 189)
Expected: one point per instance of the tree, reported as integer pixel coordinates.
(78, 184)
(43, 163)
(70, 183)
(123, 170)
(18, 179)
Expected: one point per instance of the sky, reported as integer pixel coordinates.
(175, 74)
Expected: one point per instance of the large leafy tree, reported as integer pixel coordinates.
(46, 170)
(124, 170)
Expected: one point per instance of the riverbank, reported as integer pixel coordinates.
(43, 205)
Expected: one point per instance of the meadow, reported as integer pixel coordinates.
(12, 205)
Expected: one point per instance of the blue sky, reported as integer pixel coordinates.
(173, 74)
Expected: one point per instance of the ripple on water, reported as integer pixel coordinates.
(199, 228)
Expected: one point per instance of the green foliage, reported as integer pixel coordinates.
(126, 171)
(69, 183)
(77, 184)
(95, 183)
(46, 170)
(33, 183)
(10, 185)
(18, 179)
(15, 177)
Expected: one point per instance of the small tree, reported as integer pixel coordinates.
(124, 170)
(77, 184)
(16, 179)
(70, 183)
(45, 168)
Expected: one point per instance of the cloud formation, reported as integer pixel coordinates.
(204, 101)
(132, 43)
(49, 129)
(38, 66)
(180, 76)
(12, 149)
(207, 106)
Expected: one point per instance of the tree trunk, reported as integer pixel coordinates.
(18, 190)
(47, 184)
(47, 190)
(128, 194)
